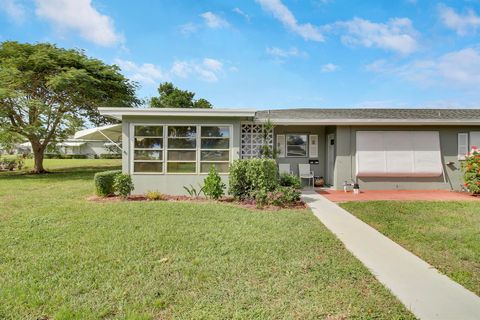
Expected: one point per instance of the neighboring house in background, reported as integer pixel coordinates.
(165, 149)
(93, 142)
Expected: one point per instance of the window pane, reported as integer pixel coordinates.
(149, 131)
(148, 155)
(153, 143)
(182, 155)
(147, 166)
(181, 167)
(221, 132)
(296, 139)
(297, 151)
(221, 167)
(215, 155)
(182, 131)
(188, 143)
(215, 143)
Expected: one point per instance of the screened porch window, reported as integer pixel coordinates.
(182, 149)
(214, 148)
(297, 145)
(148, 149)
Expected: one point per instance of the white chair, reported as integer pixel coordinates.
(305, 172)
(284, 168)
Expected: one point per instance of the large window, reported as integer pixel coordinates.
(296, 145)
(148, 149)
(182, 149)
(215, 148)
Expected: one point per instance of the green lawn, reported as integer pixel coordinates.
(62, 257)
(445, 234)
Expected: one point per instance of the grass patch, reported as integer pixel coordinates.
(445, 234)
(66, 258)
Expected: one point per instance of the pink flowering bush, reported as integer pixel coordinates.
(471, 171)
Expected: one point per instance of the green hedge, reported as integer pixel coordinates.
(65, 156)
(110, 156)
(104, 182)
(251, 177)
(11, 162)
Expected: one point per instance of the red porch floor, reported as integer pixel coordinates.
(400, 195)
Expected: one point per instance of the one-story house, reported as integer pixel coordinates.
(166, 149)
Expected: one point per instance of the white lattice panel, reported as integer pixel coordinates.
(252, 139)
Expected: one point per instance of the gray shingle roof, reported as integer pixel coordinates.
(380, 114)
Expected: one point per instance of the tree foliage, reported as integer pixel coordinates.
(173, 97)
(45, 91)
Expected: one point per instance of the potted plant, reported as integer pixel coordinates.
(319, 182)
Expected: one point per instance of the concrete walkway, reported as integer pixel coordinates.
(420, 287)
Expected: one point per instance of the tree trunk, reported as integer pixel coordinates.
(38, 154)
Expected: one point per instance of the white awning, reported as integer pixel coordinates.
(112, 132)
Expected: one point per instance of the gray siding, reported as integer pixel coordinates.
(172, 183)
(345, 160)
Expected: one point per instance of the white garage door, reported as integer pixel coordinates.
(398, 154)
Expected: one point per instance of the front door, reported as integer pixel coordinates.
(330, 158)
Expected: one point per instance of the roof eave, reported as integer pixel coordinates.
(371, 122)
(119, 113)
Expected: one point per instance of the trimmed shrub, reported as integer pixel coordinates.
(65, 156)
(11, 162)
(155, 195)
(213, 185)
(110, 156)
(123, 184)
(290, 180)
(104, 182)
(284, 196)
(252, 178)
(471, 171)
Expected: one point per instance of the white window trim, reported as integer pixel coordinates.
(198, 148)
(132, 149)
(306, 144)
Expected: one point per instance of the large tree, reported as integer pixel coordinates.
(173, 97)
(45, 90)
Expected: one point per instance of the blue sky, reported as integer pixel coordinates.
(273, 53)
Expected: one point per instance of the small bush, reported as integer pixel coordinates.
(11, 162)
(213, 185)
(155, 195)
(471, 171)
(284, 196)
(252, 178)
(290, 180)
(104, 182)
(110, 156)
(65, 156)
(123, 184)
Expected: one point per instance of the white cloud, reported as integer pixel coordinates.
(146, 73)
(243, 14)
(281, 53)
(14, 10)
(397, 34)
(188, 28)
(80, 16)
(281, 12)
(455, 69)
(214, 21)
(208, 70)
(462, 24)
(329, 67)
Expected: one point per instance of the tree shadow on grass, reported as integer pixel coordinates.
(76, 173)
